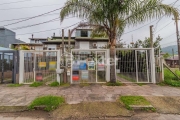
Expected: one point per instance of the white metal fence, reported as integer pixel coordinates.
(39, 66)
(135, 65)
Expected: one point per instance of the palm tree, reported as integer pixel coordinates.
(112, 16)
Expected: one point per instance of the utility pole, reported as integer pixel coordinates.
(63, 41)
(173, 56)
(178, 39)
(69, 41)
(151, 36)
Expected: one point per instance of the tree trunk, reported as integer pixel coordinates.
(112, 67)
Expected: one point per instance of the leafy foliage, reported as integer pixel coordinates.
(15, 85)
(171, 79)
(112, 16)
(54, 84)
(50, 102)
(133, 100)
(114, 84)
(36, 84)
(147, 43)
(166, 55)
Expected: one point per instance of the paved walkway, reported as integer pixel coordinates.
(22, 96)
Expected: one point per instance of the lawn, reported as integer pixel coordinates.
(49, 102)
(133, 100)
(15, 85)
(171, 79)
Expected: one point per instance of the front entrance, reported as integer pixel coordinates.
(8, 66)
(89, 66)
(135, 65)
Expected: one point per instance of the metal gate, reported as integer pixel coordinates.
(39, 66)
(89, 66)
(8, 66)
(135, 65)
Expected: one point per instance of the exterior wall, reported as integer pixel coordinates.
(77, 45)
(32, 41)
(51, 47)
(7, 37)
(101, 44)
(78, 33)
(84, 45)
(37, 41)
(39, 48)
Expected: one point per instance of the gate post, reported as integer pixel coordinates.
(153, 66)
(21, 67)
(58, 66)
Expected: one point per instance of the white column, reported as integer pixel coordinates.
(58, 65)
(21, 67)
(153, 66)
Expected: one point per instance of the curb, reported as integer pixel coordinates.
(4, 109)
(139, 107)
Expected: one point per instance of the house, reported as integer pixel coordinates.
(83, 40)
(35, 44)
(7, 37)
(55, 43)
(172, 62)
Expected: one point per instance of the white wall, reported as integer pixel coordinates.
(51, 46)
(101, 44)
(84, 45)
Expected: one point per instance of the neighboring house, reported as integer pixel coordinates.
(55, 43)
(35, 44)
(8, 37)
(172, 62)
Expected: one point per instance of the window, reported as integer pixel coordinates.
(84, 33)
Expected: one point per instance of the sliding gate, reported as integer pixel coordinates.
(39, 66)
(135, 65)
(8, 66)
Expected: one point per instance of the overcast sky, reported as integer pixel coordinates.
(25, 8)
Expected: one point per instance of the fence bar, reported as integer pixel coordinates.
(136, 66)
(147, 65)
(153, 66)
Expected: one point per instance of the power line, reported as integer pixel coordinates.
(33, 17)
(168, 43)
(140, 27)
(163, 27)
(45, 30)
(15, 2)
(35, 24)
(30, 7)
(52, 20)
(25, 18)
(169, 35)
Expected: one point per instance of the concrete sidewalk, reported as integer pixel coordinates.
(23, 96)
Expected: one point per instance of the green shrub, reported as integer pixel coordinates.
(114, 84)
(36, 84)
(133, 100)
(172, 83)
(65, 84)
(54, 84)
(15, 85)
(177, 73)
(49, 102)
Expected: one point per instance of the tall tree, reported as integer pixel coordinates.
(147, 43)
(112, 16)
